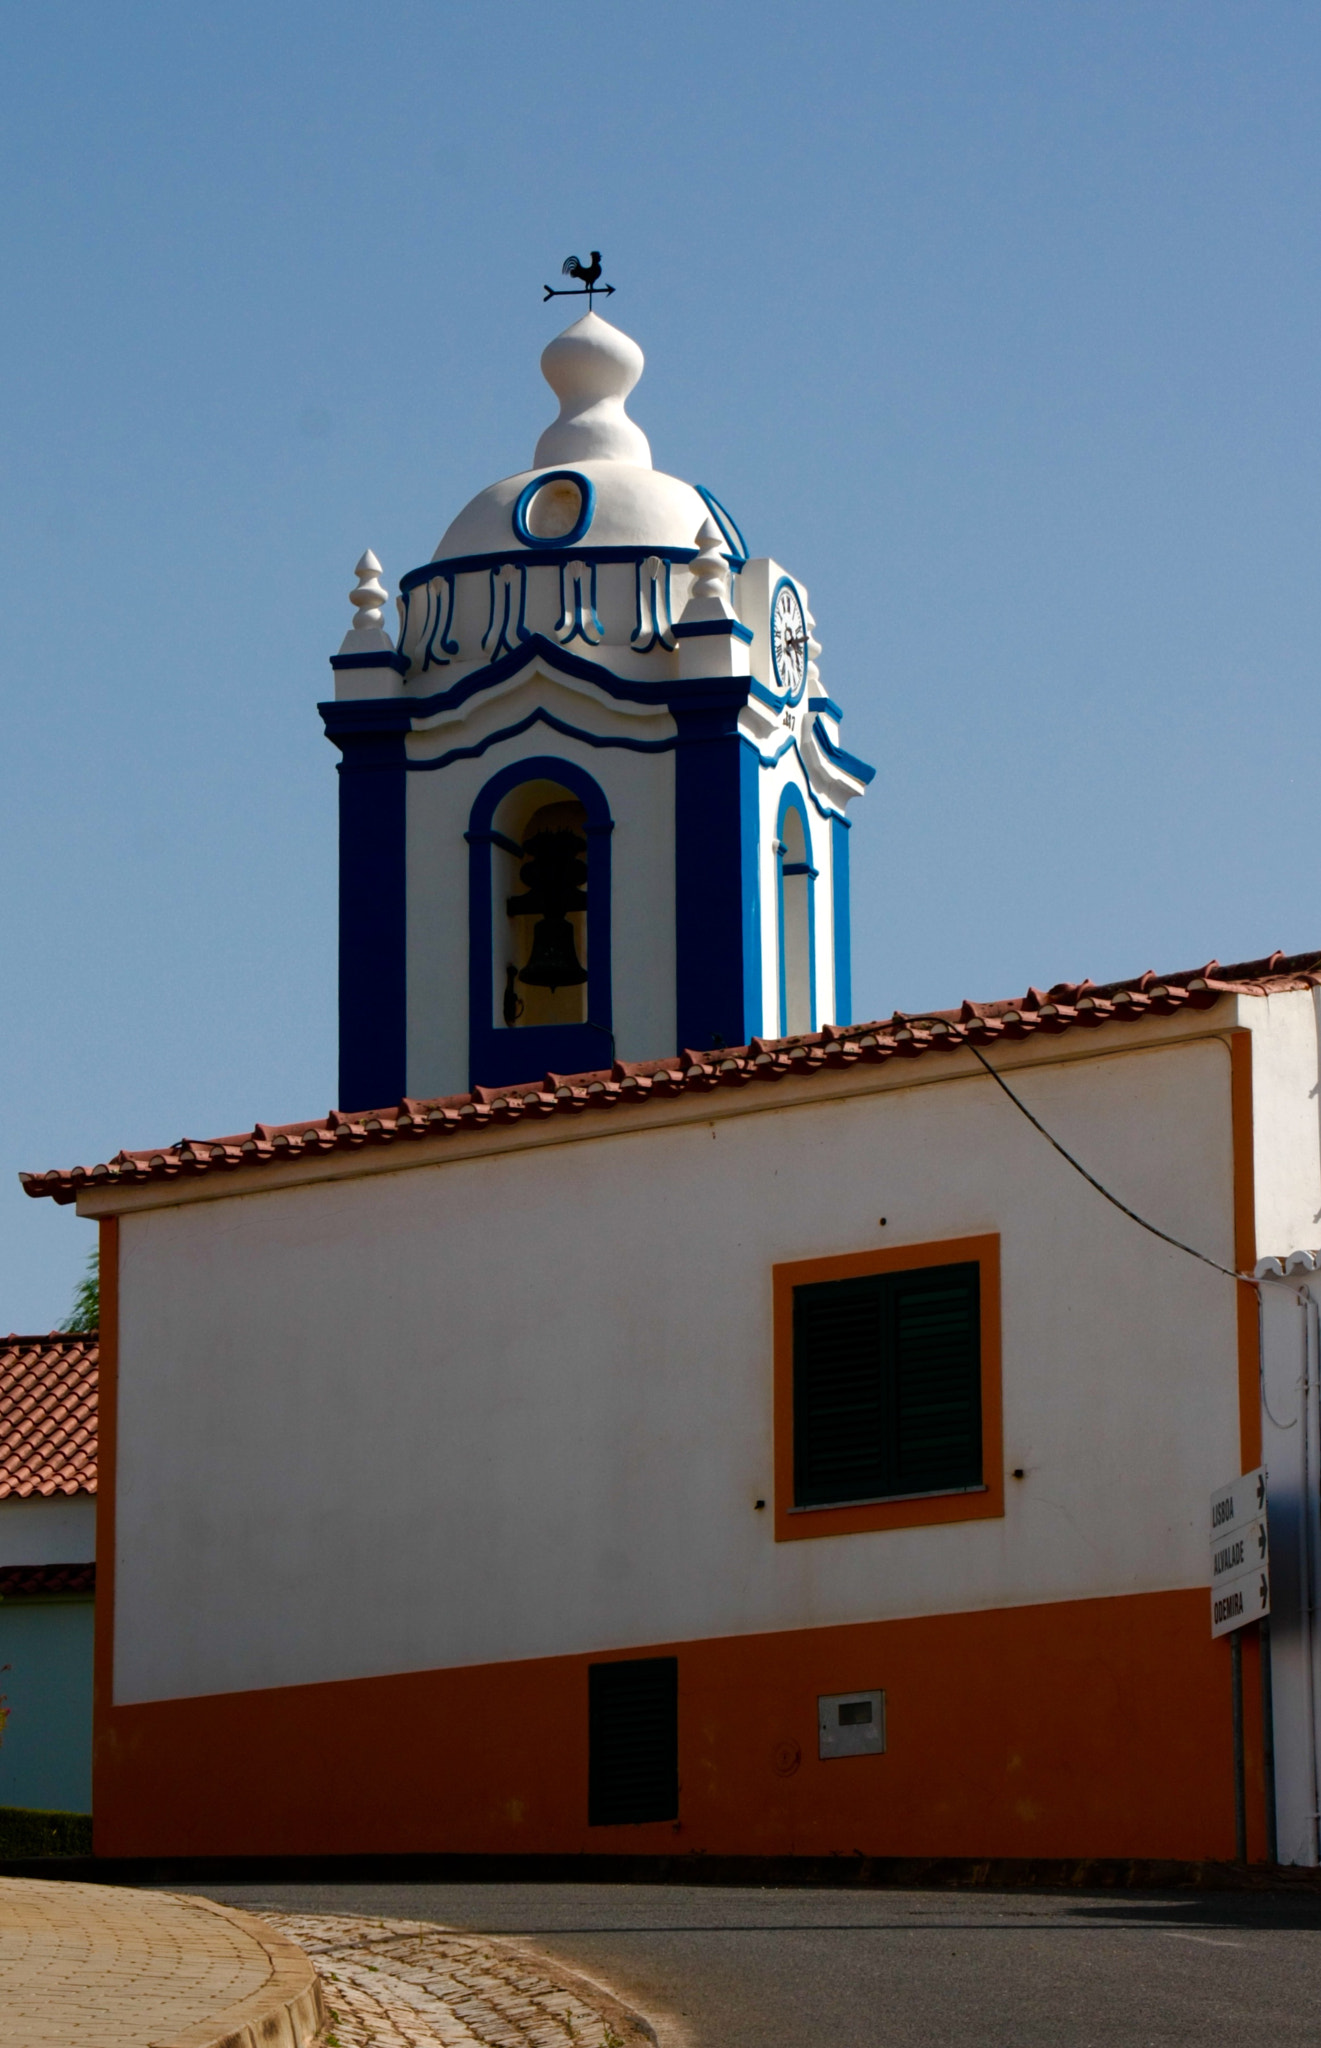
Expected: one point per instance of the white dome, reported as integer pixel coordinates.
(634, 507)
(591, 368)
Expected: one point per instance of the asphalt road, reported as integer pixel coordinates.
(891, 1969)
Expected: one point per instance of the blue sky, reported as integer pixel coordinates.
(997, 323)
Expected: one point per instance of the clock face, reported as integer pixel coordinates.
(788, 640)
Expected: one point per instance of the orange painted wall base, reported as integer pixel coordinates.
(1096, 1728)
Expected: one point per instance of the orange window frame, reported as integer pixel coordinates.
(793, 1524)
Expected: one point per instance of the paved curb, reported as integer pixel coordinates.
(289, 2010)
(98, 1966)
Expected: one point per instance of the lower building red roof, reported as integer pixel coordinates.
(1065, 1007)
(48, 1415)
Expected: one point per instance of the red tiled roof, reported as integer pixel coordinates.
(24, 1581)
(1066, 1006)
(48, 1415)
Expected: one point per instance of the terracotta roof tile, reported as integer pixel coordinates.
(1064, 1007)
(48, 1415)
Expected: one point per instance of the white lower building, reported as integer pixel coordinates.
(532, 1470)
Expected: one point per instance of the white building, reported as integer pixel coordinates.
(48, 1453)
(761, 1442)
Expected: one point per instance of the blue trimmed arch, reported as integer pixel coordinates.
(791, 799)
(499, 1055)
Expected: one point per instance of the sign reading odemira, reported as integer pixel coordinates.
(1240, 1554)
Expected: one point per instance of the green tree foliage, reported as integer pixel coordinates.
(86, 1313)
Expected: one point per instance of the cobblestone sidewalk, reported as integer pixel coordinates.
(411, 1984)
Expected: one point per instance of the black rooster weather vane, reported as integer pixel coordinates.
(589, 273)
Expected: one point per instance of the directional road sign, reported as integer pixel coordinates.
(1240, 1550)
(1240, 1554)
(1243, 1500)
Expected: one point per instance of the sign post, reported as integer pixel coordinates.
(1240, 1593)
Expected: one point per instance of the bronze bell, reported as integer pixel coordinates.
(554, 962)
(552, 876)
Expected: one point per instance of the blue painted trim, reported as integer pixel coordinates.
(655, 616)
(398, 662)
(344, 717)
(448, 648)
(498, 643)
(580, 525)
(826, 704)
(791, 799)
(758, 689)
(791, 746)
(459, 565)
(839, 890)
(700, 629)
(725, 520)
(711, 876)
(538, 717)
(499, 839)
(750, 823)
(436, 621)
(850, 763)
(372, 904)
(498, 1054)
(580, 618)
(786, 697)
(537, 647)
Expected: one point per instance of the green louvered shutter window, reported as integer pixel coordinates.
(887, 1386)
(632, 1741)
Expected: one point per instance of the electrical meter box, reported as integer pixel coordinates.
(851, 1723)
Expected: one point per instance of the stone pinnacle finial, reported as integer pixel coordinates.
(709, 596)
(367, 634)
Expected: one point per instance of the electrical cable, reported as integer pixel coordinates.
(1090, 1178)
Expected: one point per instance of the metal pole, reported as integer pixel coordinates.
(1268, 1739)
(1305, 1559)
(1240, 1789)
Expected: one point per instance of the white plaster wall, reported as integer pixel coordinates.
(520, 1404)
(640, 792)
(1286, 1118)
(54, 1529)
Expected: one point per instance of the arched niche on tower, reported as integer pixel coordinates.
(539, 986)
(796, 914)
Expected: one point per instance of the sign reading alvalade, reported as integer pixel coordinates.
(1240, 1554)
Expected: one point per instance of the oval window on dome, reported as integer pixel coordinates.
(554, 510)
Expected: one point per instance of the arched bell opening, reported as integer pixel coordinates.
(539, 923)
(540, 909)
(797, 920)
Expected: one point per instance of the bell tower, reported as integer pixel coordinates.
(593, 799)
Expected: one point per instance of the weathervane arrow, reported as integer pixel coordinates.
(589, 273)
